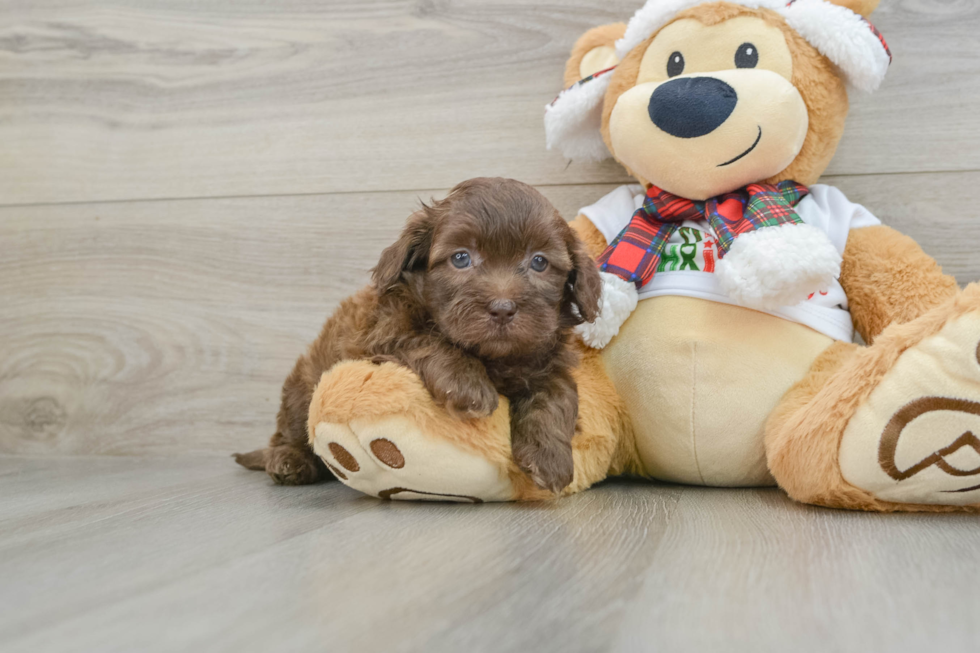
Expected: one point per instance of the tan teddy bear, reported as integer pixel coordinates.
(742, 280)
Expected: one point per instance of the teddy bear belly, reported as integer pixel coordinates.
(699, 379)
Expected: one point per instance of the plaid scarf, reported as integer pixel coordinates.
(635, 253)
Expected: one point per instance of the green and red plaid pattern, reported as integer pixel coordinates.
(635, 253)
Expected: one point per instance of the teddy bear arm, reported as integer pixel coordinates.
(889, 279)
(379, 431)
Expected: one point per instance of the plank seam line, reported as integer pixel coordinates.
(198, 198)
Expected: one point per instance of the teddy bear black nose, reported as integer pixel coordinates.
(692, 106)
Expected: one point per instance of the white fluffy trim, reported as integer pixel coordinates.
(843, 37)
(778, 266)
(619, 299)
(656, 13)
(836, 32)
(573, 122)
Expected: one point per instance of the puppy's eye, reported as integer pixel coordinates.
(747, 56)
(460, 260)
(539, 263)
(675, 64)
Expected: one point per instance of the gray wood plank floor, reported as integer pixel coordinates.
(181, 98)
(167, 327)
(137, 320)
(137, 554)
(188, 187)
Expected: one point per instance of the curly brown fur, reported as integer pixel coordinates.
(457, 299)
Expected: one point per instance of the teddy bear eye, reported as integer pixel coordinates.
(747, 56)
(675, 64)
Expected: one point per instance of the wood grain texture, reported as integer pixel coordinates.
(165, 327)
(159, 327)
(132, 554)
(168, 327)
(177, 98)
(751, 571)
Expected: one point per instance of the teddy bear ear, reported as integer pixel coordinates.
(861, 7)
(573, 121)
(594, 51)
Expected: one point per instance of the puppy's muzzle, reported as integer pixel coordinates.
(690, 107)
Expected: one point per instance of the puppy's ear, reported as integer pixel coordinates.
(584, 282)
(409, 253)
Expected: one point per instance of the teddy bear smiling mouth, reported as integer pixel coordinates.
(746, 152)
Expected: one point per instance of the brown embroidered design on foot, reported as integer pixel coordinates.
(893, 431)
(387, 494)
(386, 451)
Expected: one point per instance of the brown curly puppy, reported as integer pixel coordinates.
(478, 298)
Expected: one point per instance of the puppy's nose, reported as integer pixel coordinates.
(502, 310)
(689, 107)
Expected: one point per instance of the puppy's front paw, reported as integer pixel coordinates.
(468, 399)
(549, 464)
(475, 401)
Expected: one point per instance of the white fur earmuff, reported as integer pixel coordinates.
(573, 122)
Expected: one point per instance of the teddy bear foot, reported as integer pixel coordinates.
(392, 458)
(379, 432)
(914, 440)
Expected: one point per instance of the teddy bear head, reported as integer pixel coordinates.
(702, 98)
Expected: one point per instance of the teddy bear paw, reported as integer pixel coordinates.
(618, 301)
(391, 457)
(778, 266)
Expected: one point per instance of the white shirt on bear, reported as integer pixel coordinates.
(687, 267)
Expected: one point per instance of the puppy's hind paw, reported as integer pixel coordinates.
(254, 460)
(298, 465)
